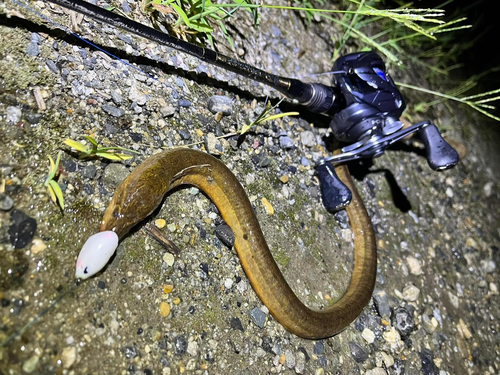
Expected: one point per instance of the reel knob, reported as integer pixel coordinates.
(334, 193)
(440, 155)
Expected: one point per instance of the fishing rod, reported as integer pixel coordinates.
(364, 103)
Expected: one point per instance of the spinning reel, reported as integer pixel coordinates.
(364, 103)
(369, 121)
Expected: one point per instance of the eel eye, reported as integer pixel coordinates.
(86, 270)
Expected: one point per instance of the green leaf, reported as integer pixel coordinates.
(100, 149)
(201, 27)
(58, 160)
(57, 192)
(246, 128)
(182, 14)
(52, 170)
(52, 194)
(113, 156)
(77, 145)
(280, 115)
(228, 37)
(91, 140)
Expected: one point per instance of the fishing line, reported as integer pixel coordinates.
(41, 314)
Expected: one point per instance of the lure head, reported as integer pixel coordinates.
(95, 254)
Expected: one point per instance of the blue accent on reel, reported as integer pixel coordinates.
(380, 73)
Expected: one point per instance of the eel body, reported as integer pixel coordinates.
(144, 189)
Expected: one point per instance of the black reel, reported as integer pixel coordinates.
(369, 121)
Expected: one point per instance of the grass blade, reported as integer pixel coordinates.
(57, 192)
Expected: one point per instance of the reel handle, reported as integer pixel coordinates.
(335, 195)
(440, 155)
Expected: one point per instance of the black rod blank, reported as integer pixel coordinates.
(316, 97)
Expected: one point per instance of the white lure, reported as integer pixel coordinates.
(95, 254)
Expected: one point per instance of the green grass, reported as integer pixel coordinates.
(94, 150)
(391, 32)
(53, 187)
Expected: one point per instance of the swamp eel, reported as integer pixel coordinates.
(144, 189)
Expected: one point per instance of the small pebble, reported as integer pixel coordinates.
(463, 329)
(308, 138)
(414, 265)
(381, 301)
(236, 324)
(192, 348)
(138, 96)
(228, 283)
(284, 178)
(31, 364)
(376, 371)
(116, 96)
(89, 171)
(6, 202)
(220, 104)
(22, 229)
(300, 362)
(185, 135)
(488, 189)
(411, 293)
(269, 208)
(289, 359)
(493, 288)
(33, 49)
(258, 317)
(282, 359)
(169, 259)
(368, 335)
(449, 192)
(167, 110)
(394, 339)
(357, 352)
(403, 320)
(387, 359)
(454, 300)
(488, 266)
(225, 234)
(164, 309)
(176, 301)
(427, 324)
(286, 143)
(181, 345)
(70, 166)
(318, 347)
(213, 145)
(428, 366)
(38, 246)
(160, 223)
(68, 356)
(13, 115)
(112, 110)
(101, 285)
(167, 288)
